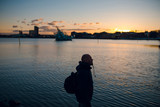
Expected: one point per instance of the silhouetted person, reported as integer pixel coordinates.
(84, 81)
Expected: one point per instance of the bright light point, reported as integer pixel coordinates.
(119, 30)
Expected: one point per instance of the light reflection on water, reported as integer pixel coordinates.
(127, 71)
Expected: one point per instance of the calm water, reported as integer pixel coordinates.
(128, 72)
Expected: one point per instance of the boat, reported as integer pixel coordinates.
(60, 36)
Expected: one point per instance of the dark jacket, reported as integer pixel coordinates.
(84, 83)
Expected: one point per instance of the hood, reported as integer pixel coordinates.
(83, 65)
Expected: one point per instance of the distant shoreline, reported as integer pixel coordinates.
(88, 38)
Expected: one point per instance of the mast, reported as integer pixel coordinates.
(58, 29)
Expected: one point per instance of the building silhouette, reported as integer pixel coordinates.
(36, 29)
(35, 32)
(31, 33)
(20, 32)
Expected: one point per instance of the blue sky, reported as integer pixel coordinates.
(79, 15)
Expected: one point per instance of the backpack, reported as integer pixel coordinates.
(70, 83)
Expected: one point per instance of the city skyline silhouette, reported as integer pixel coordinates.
(79, 16)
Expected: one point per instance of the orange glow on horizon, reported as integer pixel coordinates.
(68, 32)
(119, 30)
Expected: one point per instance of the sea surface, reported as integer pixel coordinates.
(33, 71)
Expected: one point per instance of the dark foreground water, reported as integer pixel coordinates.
(33, 73)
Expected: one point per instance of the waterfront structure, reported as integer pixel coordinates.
(35, 32)
(36, 29)
(20, 33)
(60, 36)
(31, 33)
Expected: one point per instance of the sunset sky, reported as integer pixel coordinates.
(79, 15)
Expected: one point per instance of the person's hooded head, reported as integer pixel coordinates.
(86, 58)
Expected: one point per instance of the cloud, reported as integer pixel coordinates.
(62, 26)
(15, 30)
(52, 23)
(78, 29)
(35, 24)
(24, 22)
(76, 24)
(39, 23)
(61, 21)
(47, 29)
(14, 26)
(97, 23)
(35, 20)
(25, 31)
(55, 22)
(82, 26)
(86, 24)
(103, 29)
(43, 23)
(50, 28)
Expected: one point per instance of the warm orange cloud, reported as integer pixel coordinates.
(87, 24)
(40, 19)
(45, 27)
(97, 23)
(24, 22)
(76, 24)
(61, 21)
(14, 26)
(55, 22)
(77, 29)
(17, 31)
(35, 24)
(43, 23)
(52, 23)
(62, 26)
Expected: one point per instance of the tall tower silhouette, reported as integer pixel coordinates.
(36, 30)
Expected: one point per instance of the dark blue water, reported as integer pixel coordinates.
(33, 72)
